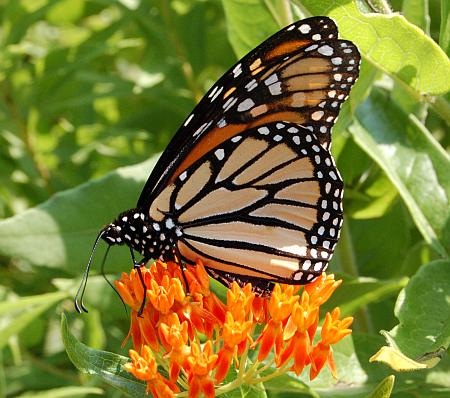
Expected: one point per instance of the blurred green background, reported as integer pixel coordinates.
(92, 91)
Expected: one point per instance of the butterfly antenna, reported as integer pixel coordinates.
(108, 281)
(78, 301)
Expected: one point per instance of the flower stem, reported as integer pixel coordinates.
(282, 369)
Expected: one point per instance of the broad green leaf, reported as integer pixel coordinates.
(412, 159)
(20, 313)
(423, 311)
(63, 392)
(354, 294)
(105, 365)
(246, 33)
(390, 42)
(384, 389)
(61, 231)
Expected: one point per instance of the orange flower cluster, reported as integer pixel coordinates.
(189, 342)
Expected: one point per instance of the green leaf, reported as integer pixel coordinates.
(423, 311)
(61, 231)
(424, 323)
(384, 389)
(354, 294)
(412, 159)
(378, 198)
(287, 383)
(103, 364)
(246, 33)
(20, 313)
(396, 359)
(390, 42)
(63, 392)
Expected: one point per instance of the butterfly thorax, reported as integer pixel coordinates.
(136, 230)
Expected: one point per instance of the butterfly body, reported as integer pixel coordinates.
(248, 184)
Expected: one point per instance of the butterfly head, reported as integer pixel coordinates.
(136, 230)
(131, 228)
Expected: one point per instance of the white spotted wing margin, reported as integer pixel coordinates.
(264, 206)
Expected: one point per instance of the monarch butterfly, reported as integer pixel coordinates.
(248, 184)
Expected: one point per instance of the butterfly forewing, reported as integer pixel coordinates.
(300, 75)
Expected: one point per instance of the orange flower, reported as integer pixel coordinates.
(296, 334)
(144, 367)
(239, 301)
(199, 365)
(174, 336)
(235, 336)
(163, 295)
(173, 322)
(333, 330)
(280, 307)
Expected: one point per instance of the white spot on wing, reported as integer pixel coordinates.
(325, 50)
(220, 153)
(271, 79)
(188, 120)
(305, 28)
(216, 94)
(263, 130)
(229, 103)
(275, 89)
(251, 85)
(183, 175)
(245, 105)
(222, 123)
(237, 70)
(311, 48)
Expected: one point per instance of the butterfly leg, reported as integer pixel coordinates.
(137, 267)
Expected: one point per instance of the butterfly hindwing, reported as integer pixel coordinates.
(264, 204)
